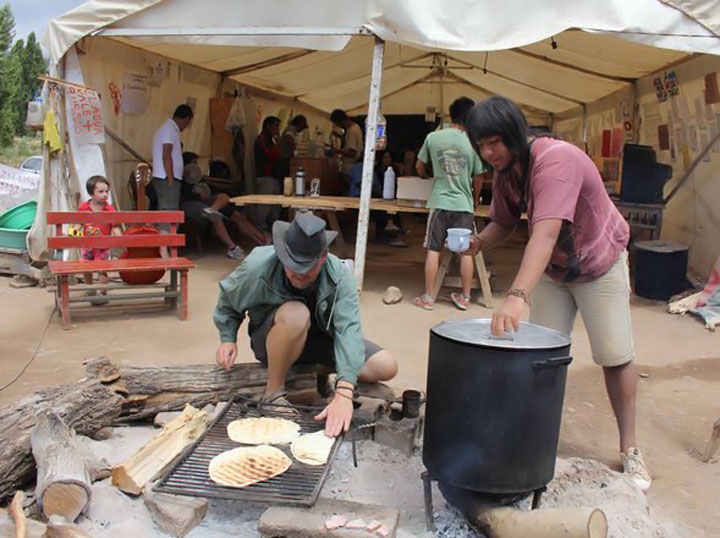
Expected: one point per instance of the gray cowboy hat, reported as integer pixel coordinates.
(300, 244)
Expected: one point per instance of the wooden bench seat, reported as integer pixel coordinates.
(176, 296)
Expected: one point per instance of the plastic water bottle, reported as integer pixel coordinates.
(380, 133)
(389, 184)
(300, 181)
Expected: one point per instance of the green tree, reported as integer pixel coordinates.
(7, 28)
(10, 72)
(32, 64)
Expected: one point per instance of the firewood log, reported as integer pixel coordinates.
(148, 391)
(154, 457)
(63, 468)
(502, 522)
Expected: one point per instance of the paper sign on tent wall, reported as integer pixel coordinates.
(134, 93)
(87, 115)
(712, 95)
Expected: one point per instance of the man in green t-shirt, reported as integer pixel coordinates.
(457, 170)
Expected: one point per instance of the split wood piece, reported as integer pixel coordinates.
(151, 460)
(713, 443)
(63, 468)
(148, 391)
(86, 407)
(18, 515)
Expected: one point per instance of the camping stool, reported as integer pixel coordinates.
(482, 281)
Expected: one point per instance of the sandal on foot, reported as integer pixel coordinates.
(278, 403)
(424, 301)
(460, 300)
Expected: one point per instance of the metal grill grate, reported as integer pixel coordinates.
(299, 485)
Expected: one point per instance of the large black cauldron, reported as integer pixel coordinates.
(494, 406)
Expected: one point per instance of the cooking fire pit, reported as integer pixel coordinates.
(300, 485)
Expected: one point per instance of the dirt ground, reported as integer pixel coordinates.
(679, 393)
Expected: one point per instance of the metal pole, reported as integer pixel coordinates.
(368, 162)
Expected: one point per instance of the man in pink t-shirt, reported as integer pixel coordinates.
(576, 258)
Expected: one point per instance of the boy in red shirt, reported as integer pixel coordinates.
(98, 188)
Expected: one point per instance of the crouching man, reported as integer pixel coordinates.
(304, 309)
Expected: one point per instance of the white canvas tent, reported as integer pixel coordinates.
(561, 60)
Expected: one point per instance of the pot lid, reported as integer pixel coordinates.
(477, 332)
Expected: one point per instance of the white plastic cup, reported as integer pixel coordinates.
(458, 239)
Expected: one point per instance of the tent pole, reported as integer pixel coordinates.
(368, 161)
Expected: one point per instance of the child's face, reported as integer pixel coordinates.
(101, 193)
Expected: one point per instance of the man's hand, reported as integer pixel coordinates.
(337, 415)
(226, 355)
(475, 245)
(507, 316)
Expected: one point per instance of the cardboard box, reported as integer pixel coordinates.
(413, 190)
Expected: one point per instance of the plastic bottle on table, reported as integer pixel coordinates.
(389, 184)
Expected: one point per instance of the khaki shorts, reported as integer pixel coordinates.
(604, 304)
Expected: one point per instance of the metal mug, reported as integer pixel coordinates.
(411, 400)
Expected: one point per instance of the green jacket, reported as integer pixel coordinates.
(259, 286)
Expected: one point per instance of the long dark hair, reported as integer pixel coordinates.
(499, 116)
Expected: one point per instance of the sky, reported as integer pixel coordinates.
(34, 15)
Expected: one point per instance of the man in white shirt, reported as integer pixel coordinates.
(352, 146)
(167, 159)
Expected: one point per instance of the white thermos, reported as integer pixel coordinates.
(389, 184)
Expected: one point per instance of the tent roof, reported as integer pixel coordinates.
(319, 52)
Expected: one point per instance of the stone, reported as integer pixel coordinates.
(379, 391)
(174, 514)
(162, 419)
(402, 435)
(103, 434)
(301, 522)
(392, 295)
(59, 527)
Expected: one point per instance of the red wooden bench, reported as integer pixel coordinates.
(172, 240)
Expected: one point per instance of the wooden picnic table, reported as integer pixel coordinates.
(330, 205)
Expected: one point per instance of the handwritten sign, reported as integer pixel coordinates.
(87, 115)
(134, 93)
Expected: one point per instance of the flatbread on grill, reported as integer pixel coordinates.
(243, 466)
(263, 431)
(313, 448)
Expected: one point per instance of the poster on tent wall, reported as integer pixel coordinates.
(87, 115)
(134, 93)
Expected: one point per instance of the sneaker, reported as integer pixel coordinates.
(212, 214)
(236, 253)
(390, 227)
(397, 242)
(278, 403)
(460, 300)
(424, 301)
(636, 470)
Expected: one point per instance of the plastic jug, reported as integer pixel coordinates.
(458, 239)
(389, 184)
